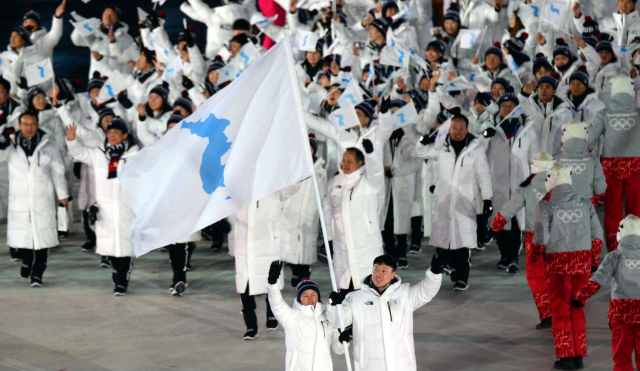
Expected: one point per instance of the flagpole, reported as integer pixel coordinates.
(481, 40)
(345, 344)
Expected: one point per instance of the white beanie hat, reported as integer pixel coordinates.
(557, 176)
(628, 226)
(622, 84)
(575, 129)
(542, 162)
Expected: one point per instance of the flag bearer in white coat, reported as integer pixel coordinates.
(115, 216)
(352, 210)
(36, 187)
(461, 167)
(300, 220)
(309, 337)
(381, 316)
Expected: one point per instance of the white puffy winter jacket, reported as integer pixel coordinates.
(309, 337)
(35, 186)
(383, 323)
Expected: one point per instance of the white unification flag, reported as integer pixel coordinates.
(459, 83)
(142, 15)
(344, 117)
(517, 112)
(248, 54)
(307, 40)
(244, 143)
(174, 67)
(87, 27)
(352, 94)
(229, 72)
(480, 82)
(513, 65)
(116, 83)
(394, 54)
(555, 12)
(530, 13)
(39, 72)
(314, 100)
(405, 116)
(164, 50)
(443, 130)
(469, 38)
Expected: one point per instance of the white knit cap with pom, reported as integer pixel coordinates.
(622, 84)
(542, 162)
(557, 176)
(575, 129)
(628, 226)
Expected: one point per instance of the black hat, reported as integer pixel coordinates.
(502, 81)
(66, 90)
(187, 35)
(494, 49)
(96, 82)
(241, 25)
(175, 118)
(562, 48)
(118, 124)
(5, 83)
(185, 102)
(389, 4)
(381, 24)
(604, 43)
(484, 98)
(515, 45)
(508, 96)
(320, 46)
(115, 8)
(105, 112)
(377, 69)
(240, 39)
(24, 33)
(590, 25)
(216, 64)
(419, 98)
(453, 13)
(446, 114)
(552, 79)
(31, 94)
(161, 90)
(368, 107)
(581, 75)
(31, 14)
(541, 61)
(439, 44)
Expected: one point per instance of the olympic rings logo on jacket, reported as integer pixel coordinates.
(569, 215)
(632, 263)
(622, 124)
(576, 168)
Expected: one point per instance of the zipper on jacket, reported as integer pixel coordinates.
(390, 316)
(551, 124)
(519, 142)
(351, 194)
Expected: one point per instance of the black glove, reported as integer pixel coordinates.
(432, 189)
(388, 173)
(593, 270)
(188, 38)
(152, 21)
(187, 83)
(23, 83)
(93, 214)
(335, 298)
(5, 141)
(428, 139)
(489, 133)
(436, 265)
(385, 105)
(274, 271)
(487, 207)
(367, 145)
(577, 303)
(123, 99)
(346, 335)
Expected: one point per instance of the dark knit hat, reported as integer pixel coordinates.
(419, 98)
(216, 64)
(368, 107)
(184, 101)
(187, 35)
(240, 39)
(590, 25)
(581, 75)
(381, 24)
(104, 113)
(97, 82)
(161, 90)
(241, 25)
(377, 70)
(446, 114)
(562, 48)
(440, 45)
(484, 98)
(115, 8)
(305, 285)
(541, 61)
(24, 33)
(118, 124)
(389, 4)
(515, 45)
(65, 89)
(31, 14)
(313, 142)
(397, 103)
(175, 118)
(502, 81)
(604, 43)
(31, 94)
(453, 13)
(552, 79)
(508, 96)
(320, 46)
(5, 83)
(494, 49)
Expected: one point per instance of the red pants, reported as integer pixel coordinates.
(619, 191)
(569, 322)
(538, 280)
(270, 8)
(625, 337)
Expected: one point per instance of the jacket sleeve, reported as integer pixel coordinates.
(541, 225)
(384, 129)
(57, 174)
(194, 11)
(52, 38)
(283, 312)
(428, 152)
(347, 316)
(146, 137)
(606, 270)
(517, 202)
(593, 61)
(425, 291)
(375, 170)
(197, 65)
(599, 181)
(335, 344)
(483, 174)
(321, 126)
(156, 125)
(80, 152)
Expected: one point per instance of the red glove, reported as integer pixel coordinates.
(536, 251)
(596, 248)
(498, 223)
(586, 291)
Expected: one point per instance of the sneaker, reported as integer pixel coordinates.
(36, 282)
(503, 263)
(189, 267)
(513, 267)
(88, 246)
(178, 289)
(578, 362)
(415, 249)
(119, 291)
(216, 247)
(447, 269)
(25, 271)
(460, 286)
(272, 323)
(546, 323)
(565, 364)
(480, 246)
(403, 263)
(105, 262)
(251, 334)
(63, 235)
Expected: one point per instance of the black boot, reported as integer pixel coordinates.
(546, 323)
(272, 322)
(578, 362)
(27, 262)
(565, 364)
(14, 254)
